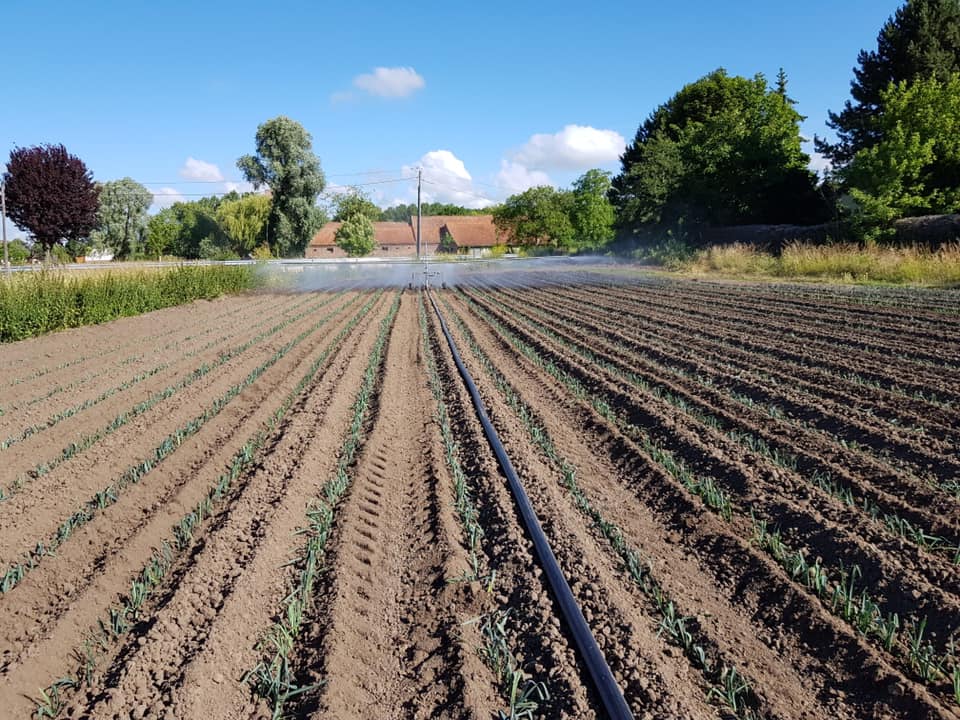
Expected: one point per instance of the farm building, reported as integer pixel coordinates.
(473, 235)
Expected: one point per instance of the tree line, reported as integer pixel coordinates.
(727, 151)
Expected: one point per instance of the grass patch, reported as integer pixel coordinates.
(839, 262)
(37, 303)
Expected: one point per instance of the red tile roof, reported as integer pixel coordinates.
(467, 230)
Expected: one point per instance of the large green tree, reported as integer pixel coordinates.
(356, 236)
(284, 162)
(723, 151)
(591, 212)
(122, 216)
(539, 216)
(914, 168)
(354, 202)
(198, 227)
(244, 220)
(162, 231)
(921, 40)
(51, 195)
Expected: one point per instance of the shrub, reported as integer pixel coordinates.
(37, 303)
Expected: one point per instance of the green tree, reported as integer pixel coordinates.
(403, 213)
(122, 217)
(591, 213)
(915, 167)
(355, 236)
(921, 40)
(244, 221)
(197, 221)
(284, 162)
(447, 244)
(539, 216)
(353, 203)
(724, 151)
(19, 252)
(162, 231)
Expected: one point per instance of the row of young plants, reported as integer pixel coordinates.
(213, 325)
(135, 473)
(726, 683)
(87, 441)
(755, 379)
(521, 691)
(788, 360)
(784, 355)
(37, 303)
(764, 329)
(126, 385)
(818, 312)
(782, 457)
(803, 330)
(274, 676)
(121, 617)
(833, 583)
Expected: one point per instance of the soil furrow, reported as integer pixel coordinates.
(50, 631)
(842, 658)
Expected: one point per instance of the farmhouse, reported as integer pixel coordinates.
(473, 235)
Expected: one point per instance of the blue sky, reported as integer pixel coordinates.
(488, 98)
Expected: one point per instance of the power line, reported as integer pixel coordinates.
(230, 180)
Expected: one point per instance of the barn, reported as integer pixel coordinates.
(473, 235)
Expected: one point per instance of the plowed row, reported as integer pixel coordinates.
(284, 505)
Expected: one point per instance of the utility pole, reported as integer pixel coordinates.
(3, 207)
(419, 215)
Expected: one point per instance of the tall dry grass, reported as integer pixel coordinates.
(840, 262)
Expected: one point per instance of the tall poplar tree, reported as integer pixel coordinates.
(285, 163)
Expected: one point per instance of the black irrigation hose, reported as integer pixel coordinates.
(611, 697)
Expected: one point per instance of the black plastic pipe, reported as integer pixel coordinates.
(608, 690)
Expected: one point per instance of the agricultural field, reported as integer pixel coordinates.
(284, 504)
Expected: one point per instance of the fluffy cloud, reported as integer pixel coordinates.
(393, 82)
(576, 147)
(165, 197)
(516, 178)
(447, 180)
(194, 169)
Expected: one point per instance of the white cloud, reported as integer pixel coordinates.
(165, 197)
(820, 164)
(387, 82)
(194, 169)
(516, 178)
(576, 147)
(447, 180)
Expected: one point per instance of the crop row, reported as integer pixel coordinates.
(522, 692)
(135, 473)
(274, 677)
(770, 388)
(787, 457)
(85, 442)
(726, 683)
(76, 409)
(836, 592)
(122, 616)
